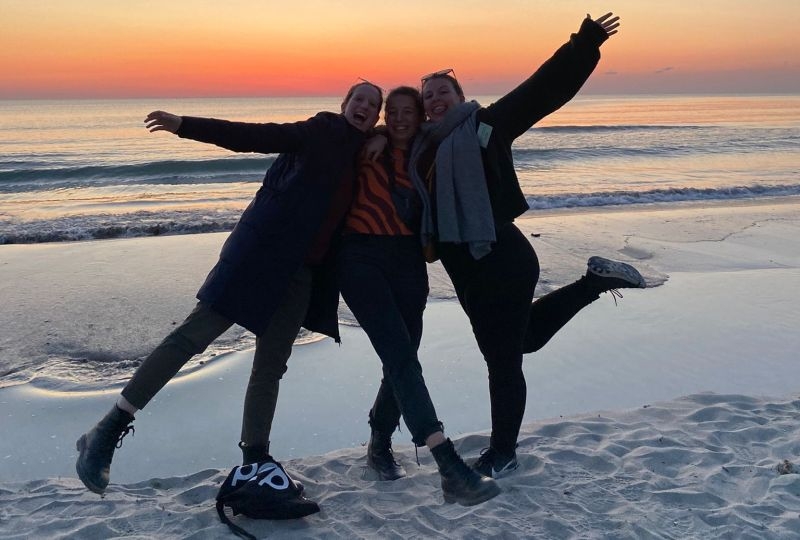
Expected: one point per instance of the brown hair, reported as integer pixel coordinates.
(450, 78)
(362, 83)
(411, 92)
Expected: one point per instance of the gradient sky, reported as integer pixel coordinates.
(181, 48)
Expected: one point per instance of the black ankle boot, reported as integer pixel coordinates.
(253, 454)
(460, 483)
(380, 457)
(257, 454)
(97, 448)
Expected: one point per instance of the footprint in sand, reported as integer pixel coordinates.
(636, 253)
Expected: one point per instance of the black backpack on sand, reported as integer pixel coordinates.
(262, 490)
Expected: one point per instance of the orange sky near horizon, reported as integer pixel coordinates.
(89, 48)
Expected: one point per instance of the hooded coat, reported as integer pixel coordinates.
(274, 234)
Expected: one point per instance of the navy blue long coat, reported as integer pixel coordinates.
(274, 234)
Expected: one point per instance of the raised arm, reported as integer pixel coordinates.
(556, 81)
(608, 22)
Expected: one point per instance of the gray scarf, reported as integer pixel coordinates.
(463, 210)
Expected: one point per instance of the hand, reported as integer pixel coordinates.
(373, 148)
(607, 22)
(162, 121)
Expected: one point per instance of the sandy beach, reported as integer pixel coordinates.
(673, 414)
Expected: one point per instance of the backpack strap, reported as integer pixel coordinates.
(238, 531)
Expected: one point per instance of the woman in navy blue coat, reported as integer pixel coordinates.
(274, 272)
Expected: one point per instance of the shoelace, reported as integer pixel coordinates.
(615, 294)
(391, 456)
(129, 429)
(487, 455)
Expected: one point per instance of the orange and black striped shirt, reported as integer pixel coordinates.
(373, 211)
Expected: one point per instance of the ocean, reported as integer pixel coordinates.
(82, 170)
(89, 170)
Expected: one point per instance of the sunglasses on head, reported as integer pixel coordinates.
(440, 73)
(361, 80)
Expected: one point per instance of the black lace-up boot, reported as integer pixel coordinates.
(97, 448)
(260, 452)
(253, 454)
(380, 457)
(460, 483)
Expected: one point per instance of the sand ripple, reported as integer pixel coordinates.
(705, 466)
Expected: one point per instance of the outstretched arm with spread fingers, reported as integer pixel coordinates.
(162, 121)
(608, 22)
(556, 81)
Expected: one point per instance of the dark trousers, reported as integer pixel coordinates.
(384, 281)
(496, 293)
(203, 326)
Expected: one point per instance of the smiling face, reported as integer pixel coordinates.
(439, 95)
(362, 106)
(403, 117)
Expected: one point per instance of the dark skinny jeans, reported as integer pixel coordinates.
(384, 281)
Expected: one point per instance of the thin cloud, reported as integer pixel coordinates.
(663, 70)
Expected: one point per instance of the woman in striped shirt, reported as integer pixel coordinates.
(384, 281)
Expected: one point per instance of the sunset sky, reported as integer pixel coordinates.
(182, 48)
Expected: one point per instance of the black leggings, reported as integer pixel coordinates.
(496, 293)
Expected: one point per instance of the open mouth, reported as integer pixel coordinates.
(359, 117)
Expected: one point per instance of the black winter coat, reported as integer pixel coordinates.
(550, 87)
(275, 232)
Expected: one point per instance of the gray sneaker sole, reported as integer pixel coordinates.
(603, 267)
(509, 468)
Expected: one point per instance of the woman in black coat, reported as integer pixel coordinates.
(274, 273)
(465, 154)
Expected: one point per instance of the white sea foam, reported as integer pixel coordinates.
(88, 170)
